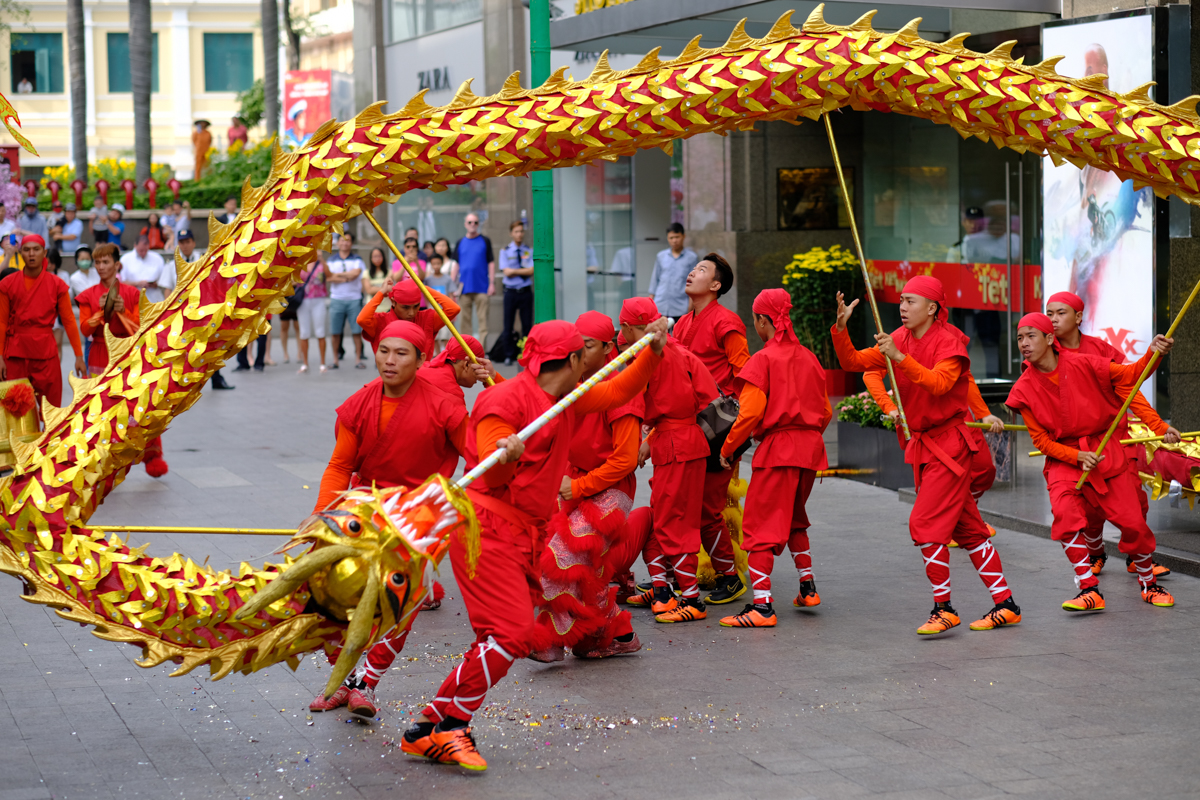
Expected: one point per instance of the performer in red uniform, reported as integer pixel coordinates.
(406, 305)
(395, 431)
(680, 388)
(931, 366)
(577, 608)
(1068, 401)
(29, 303)
(121, 316)
(1065, 311)
(452, 371)
(718, 338)
(514, 503)
(784, 405)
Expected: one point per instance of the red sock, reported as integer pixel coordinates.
(685, 572)
(798, 544)
(1076, 547)
(1145, 569)
(937, 569)
(761, 564)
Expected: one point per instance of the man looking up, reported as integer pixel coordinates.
(671, 268)
(30, 300)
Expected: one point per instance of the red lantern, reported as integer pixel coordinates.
(54, 188)
(77, 186)
(152, 187)
(102, 190)
(31, 188)
(129, 187)
(174, 186)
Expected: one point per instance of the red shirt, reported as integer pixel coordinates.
(718, 337)
(90, 301)
(679, 389)
(1095, 346)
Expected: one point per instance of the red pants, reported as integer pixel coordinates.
(983, 469)
(944, 508)
(677, 518)
(714, 533)
(1119, 505)
(775, 517)
(1094, 532)
(45, 374)
(499, 604)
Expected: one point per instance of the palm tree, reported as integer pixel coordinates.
(76, 55)
(139, 71)
(270, 29)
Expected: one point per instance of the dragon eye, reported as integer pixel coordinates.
(397, 579)
(354, 526)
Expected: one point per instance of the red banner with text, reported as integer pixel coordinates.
(976, 286)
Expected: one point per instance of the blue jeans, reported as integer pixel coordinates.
(339, 311)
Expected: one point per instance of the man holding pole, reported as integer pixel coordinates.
(1068, 401)
(931, 366)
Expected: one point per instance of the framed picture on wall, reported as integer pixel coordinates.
(809, 198)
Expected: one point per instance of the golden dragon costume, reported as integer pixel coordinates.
(179, 611)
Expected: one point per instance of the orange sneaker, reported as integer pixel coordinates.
(808, 597)
(1098, 563)
(991, 530)
(339, 699)
(641, 600)
(1003, 614)
(941, 619)
(751, 617)
(1086, 600)
(447, 747)
(664, 601)
(1159, 570)
(1155, 595)
(683, 612)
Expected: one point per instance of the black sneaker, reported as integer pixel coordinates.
(729, 588)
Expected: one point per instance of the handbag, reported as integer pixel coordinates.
(293, 302)
(716, 420)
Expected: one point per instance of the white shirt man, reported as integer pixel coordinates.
(147, 271)
(338, 264)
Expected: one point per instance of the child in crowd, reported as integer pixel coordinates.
(99, 220)
(438, 277)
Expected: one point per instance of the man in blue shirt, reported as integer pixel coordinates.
(671, 268)
(69, 235)
(31, 221)
(516, 265)
(477, 273)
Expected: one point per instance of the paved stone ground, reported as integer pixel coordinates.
(843, 701)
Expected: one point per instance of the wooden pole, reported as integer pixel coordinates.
(1189, 436)
(191, 529)
(862, 262)
(425, 291)
(986, 426)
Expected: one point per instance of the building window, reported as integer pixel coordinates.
(412, 18)
(228, 62)
(120, 79)
(37, 63)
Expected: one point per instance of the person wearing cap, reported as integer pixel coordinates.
(68, 235)
(514, 501)
(396, 431)
(718, 338)
(31, 222)
(784, 406)
(680, 388)
(1065, 310)
(576, 609)
(30, 302)
(931, 367)
(452, 370)
(406, 305)
(201, 143)
(1068, 401)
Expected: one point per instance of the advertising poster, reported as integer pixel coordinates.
(1099, 232)
(306, 104)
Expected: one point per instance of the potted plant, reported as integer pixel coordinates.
(813, 279)
(868, 444)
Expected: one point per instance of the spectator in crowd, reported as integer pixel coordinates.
(477, 273)
(31, 222)
(144, 269)
(237, 132)
(170, 214)
(56, 215)
(25, 86)
(231, 210)
(83, 278)
(160, 237)
(116, 224)
(442, 248)
(201, 142)
(69, 236)
(671, 268)
(183, 218)
(414, 257)
(377, 271)
(427, 251)
(99, 222)
(6, 224)
(313, 311)
(516, 265)
(437, 278)
(344, 273)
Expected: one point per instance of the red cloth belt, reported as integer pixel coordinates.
(518, 520)
(926, 437)
(670, 424)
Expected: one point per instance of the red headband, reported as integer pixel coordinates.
(621, 341)
(33, 238)
(548, 341)
(1067, 299)
(410, 332)
(455, 352)
(931, 289)
(777, 304)
(1036, 320)
(594, 325)
(406, 293)
(639, 311)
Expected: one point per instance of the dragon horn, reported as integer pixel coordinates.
(357, 635)
(295, 575)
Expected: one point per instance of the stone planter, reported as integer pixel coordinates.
(876, 450)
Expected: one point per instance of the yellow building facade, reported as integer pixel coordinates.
(204, 53)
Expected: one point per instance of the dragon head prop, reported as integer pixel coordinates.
(371, 561)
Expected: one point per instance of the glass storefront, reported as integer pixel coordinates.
(438, 215)
(412, 18)
(611, 263)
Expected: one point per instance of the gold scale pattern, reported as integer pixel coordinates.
(178, 610)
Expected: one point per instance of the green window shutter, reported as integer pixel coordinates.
(38, 58)
(119, 78)
(228, 62)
